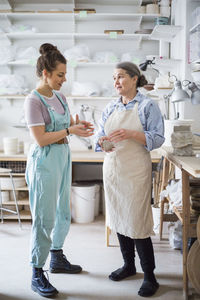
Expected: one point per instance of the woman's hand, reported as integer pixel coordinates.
(81, 129)
(106, 144)
(125, 134)
(120, 135)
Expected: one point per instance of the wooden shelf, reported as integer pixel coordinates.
(178, 212)
(25, 188)
(24, 215)
(19, 202)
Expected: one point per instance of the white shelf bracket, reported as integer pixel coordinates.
(139, 43)
(139, 22)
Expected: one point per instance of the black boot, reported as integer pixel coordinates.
(128, 253)
(41, 285)
(149, 285)
(147, 260)
(60, 264)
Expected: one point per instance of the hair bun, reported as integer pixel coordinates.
(142, 81)
(45, 48)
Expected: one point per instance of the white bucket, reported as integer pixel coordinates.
(156, 218)
(10, 145)
(97, 200)
(169, 128)
(83, 203)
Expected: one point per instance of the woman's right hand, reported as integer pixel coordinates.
(101, 143)
(81, 130)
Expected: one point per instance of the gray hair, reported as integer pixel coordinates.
(132, 70)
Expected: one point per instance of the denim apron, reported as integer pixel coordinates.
(48, 175)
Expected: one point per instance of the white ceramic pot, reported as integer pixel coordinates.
(152, 9)
(10, 145)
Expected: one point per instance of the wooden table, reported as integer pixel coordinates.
(189, 166)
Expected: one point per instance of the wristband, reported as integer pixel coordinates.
(67, 130)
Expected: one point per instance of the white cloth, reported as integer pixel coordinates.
(127, 180)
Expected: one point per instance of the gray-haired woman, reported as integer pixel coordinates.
(134, 126)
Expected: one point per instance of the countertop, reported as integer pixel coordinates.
(190, 164)
(78, 156)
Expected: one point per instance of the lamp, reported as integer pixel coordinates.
(178, 94)
(143, 66)
(195, 97)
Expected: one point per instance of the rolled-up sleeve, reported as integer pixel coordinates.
(154, 127)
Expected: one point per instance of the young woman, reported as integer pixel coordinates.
(48, 172)
(134, 125)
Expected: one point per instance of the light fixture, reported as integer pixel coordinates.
(195, 96)
(178, 94)
(143, 66)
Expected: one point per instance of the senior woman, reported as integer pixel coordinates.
(133, 126)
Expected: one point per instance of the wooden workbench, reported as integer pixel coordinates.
(189, 166)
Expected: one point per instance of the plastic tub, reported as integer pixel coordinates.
(83, 202)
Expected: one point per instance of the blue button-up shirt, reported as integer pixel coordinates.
(150, 117)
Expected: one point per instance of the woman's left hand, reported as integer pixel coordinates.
(120, 135)
(87, 125)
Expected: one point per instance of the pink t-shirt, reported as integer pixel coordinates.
(36, 113)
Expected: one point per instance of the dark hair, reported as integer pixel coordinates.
(132, 70)
(49, 58)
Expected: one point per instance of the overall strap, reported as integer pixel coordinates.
(47, 106)
(41, 98)
(61, 100)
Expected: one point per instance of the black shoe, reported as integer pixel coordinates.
(148, 288)
(122, 273)
(41, 285)
(60, 264)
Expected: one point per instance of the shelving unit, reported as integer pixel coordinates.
(56, 22)
(72, 29)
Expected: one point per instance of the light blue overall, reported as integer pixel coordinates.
(48, 175)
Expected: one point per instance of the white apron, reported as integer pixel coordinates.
(127, 174)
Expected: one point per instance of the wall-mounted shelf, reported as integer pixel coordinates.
(12, 96)
(67, 97)
(91, 98)
(165, 32)
(23, 35)
(30, 35)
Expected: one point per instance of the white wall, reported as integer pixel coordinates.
(180, 49)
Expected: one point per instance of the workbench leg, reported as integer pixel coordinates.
(186, 222)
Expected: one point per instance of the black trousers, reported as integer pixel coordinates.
(144, 249)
